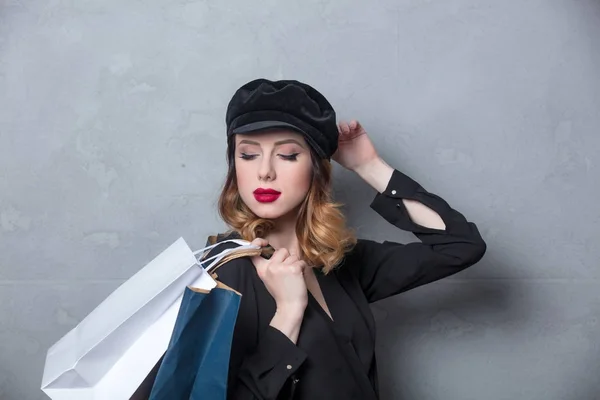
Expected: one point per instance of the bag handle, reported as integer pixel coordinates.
(204, 251)
(245, 249)
(265, 252)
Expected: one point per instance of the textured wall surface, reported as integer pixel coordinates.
(112, 146)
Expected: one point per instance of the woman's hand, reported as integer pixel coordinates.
(357, 153)
(283, 276)
(355, 149)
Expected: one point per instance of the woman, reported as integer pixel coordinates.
(304, 328)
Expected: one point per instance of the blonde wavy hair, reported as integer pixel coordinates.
(321, 226)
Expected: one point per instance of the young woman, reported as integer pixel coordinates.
(304, 328)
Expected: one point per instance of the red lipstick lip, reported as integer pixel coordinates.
(266, 191)
(266, 195)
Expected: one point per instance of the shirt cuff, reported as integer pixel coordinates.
(390, 206)
(401, 186)
(275, 356)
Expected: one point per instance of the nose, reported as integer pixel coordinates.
(266, 170)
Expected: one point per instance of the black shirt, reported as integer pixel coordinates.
(335, 359)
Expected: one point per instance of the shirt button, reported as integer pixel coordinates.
(393, 192)
(289, 367)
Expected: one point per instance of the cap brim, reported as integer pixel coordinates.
(262, 125)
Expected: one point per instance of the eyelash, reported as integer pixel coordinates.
(291, 157)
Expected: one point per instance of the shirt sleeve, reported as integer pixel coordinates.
(388, 268)
(263, 359)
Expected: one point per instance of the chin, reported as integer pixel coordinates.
(274, 210)
(267, 211)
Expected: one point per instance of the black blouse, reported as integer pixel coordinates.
(334, 358)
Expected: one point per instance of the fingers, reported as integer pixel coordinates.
(259, 263)
(291, 259)
(260, 242)
(348, 128)
(279, 256)
(262, 265)
(343, 128)
(296, 267)
(299, 266)
(281, 262)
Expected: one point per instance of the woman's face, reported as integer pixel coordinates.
(273, 171)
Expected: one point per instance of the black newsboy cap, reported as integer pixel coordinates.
(263, 104)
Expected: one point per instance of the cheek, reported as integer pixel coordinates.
(242, 175)
(300, 178)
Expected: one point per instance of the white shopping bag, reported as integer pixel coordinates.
(111, 352)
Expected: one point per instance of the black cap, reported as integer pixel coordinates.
(263, 104)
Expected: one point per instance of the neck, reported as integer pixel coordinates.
(284, 234)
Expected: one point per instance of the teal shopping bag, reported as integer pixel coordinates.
(196, 363)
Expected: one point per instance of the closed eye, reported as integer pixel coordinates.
(290, 157)
(245, 156)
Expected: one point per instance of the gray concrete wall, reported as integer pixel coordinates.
(112, 146)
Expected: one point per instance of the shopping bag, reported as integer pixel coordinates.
(196, 363)
(111, 353)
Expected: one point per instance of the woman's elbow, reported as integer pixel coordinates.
(475, 251)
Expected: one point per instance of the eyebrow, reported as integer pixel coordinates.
(280, 142)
